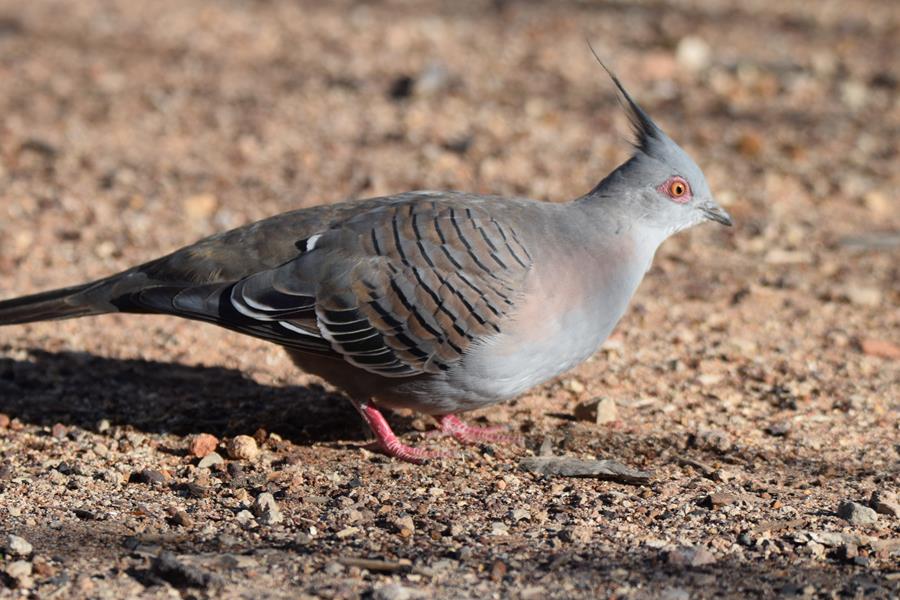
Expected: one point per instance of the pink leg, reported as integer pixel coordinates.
(453, 425)
(386, 440)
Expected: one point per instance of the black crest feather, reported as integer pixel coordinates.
(643, 126)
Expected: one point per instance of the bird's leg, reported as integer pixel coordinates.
(386, 440)
(465, 433)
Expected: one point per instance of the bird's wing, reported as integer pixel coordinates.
(397, 289)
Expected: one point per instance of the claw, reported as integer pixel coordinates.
(468, 434)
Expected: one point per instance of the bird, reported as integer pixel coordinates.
(437, 301)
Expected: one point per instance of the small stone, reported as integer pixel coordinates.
(520, 514)
(674, 593)
(693, 53)
(266, 509)
(243, 447)
(780, 429)
(244, 517)
(4, 420)
(720, 499)
(347, 532)
(210, 460)
(885, 503)
(148, 476)
(395, 591)
(180, 574)
(58, 431)
(498, 570)
(499, 528)
(573, 385)
(750, 144)
(579, 534)
(18, 546)
(690, 556)
(103, 425)
(182, 519)
(848, 551)
(42, 568)
(863, 296)
(200, 206)
(880, 348)
(405, 526)
(18, 569)
(857, 514)
(203, 444)
(598, 410)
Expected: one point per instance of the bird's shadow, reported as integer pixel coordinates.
(81, 389)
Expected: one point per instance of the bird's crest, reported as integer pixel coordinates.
(645, 130)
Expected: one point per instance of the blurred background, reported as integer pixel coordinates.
(128, 129)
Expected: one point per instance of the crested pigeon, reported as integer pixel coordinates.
(440, 302)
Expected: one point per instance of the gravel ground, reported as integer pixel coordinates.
(756, 375)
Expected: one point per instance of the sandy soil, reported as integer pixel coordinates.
(757, 373)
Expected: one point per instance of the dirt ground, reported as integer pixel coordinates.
(756, 374)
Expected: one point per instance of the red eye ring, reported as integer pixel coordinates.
(676, 188)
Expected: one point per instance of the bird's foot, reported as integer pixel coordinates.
(387, 442)
(401, 451)
(469, 434)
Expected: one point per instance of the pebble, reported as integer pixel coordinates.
(19, 569)
(693, 53)
(4, 420)
(719, 499)
(244, 517)
(857, 514)
(203, 444)
(598, 410)
(573, 385)
(148, 476)
(880, 348)
(210, 460)
(864, 296)
(395, 591)
(580, 534)
(520, 514)
(243, 447)
(690, 556)
(182, 519)
(347, 532)
(266, 509)
(20, 572)
(58, 431)
(18, 546)
(180, 574)
(405, 526)
(885, 503)
(200, 206)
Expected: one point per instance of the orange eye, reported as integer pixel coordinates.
(677, 189)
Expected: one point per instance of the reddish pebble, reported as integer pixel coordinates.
(203, 444)
(58, 431)
(4, 421)
(880, 348)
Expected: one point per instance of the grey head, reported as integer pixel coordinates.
(660, 185)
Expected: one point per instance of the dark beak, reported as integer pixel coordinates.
(716, 213)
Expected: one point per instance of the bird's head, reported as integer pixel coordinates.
(660, 183)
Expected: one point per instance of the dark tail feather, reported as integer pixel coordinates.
(65, 303)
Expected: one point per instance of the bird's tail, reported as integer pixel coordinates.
(65, 303)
